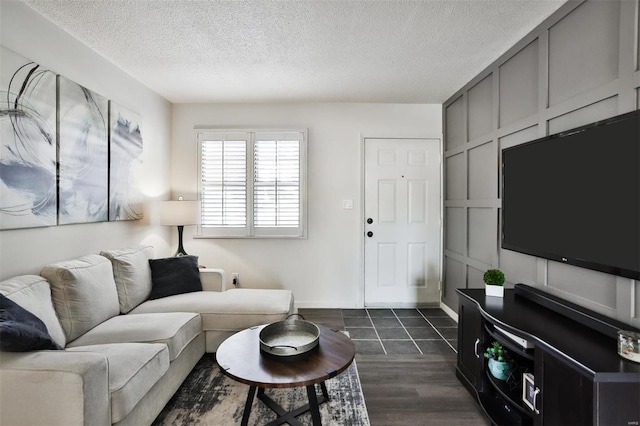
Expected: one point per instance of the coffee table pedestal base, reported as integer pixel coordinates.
(288, 416)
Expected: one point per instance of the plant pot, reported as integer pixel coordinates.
(494, 290)
(499, 369)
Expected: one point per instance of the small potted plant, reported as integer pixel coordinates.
(499, 361)
(494, 281)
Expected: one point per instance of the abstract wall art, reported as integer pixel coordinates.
(125, 197)
(83, 155)
(27, 143)
(67, 154)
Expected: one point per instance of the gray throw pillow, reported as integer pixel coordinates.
(174, 275)
(22, 331)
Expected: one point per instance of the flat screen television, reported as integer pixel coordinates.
(574, 197)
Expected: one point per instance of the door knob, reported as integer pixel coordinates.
(369, 221)
(369, 234)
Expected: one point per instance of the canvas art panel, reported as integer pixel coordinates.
(27, 143)
(125, 197)
(83, 155)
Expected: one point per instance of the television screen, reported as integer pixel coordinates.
(574, 197)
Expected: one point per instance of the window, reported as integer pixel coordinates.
(252, 183)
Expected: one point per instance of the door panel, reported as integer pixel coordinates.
(416, 264)
(402, 244)
(386, 264)
(417, 200)
(387, 210)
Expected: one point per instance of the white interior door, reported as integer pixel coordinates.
(402, 227)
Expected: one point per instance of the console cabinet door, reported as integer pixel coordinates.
(470, 342)
(566, 395)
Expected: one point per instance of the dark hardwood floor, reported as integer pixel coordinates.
(406, 360)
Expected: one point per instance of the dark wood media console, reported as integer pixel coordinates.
(579, 377)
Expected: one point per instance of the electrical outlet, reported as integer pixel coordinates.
(236, 279)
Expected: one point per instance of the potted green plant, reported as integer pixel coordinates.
(494, 281)
(499, 361)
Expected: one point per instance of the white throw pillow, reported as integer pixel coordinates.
(83, 292)
(132, 275)
(33, 294)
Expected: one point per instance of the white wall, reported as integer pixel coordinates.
(323, 270)
(32, 36)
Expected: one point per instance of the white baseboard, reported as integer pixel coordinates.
(316, 305)
(449, 311)
(329, 305)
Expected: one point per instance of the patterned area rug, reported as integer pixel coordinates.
(207, 397)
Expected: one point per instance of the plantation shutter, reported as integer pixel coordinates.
(276, 185)
(224, 184)
(252, 184)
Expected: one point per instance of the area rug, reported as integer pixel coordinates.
(207, 397)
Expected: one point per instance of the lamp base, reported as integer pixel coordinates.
(180, 251)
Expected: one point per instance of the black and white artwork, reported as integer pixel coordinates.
(84, 155)
(27, 143)
(125, 202)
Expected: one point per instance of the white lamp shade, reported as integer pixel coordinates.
(179, 213)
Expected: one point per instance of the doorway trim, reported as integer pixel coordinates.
(361, 219)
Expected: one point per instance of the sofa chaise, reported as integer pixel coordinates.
(123, 354)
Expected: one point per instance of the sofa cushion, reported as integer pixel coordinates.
(175, 329)
(33, 293)
(174, 275)
(231, 310)
(83, 292)
(20, 330)
(132, 275)
(133, 370)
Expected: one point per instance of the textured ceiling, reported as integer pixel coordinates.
(299, 50)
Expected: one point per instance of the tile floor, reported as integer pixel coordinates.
(401, 331)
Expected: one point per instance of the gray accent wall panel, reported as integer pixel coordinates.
(455, 175)
(474, 278)
(520, 267)
(455, 128)
(480, 108)
(454, 272)
(519, 85)
(596, 286)
(482, 172)
(578, 66)
(516, 138)
(597, 111)
(482, 234)
(583, 50)
(455, 229)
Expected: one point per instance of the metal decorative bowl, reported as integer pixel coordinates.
(289, 338)
(629, 345)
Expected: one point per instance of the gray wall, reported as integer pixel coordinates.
(578, 66)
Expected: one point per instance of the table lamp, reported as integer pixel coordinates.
(179, 213)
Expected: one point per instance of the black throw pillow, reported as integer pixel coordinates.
(174, 275)
(22, 331)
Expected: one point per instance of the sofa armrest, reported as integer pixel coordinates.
(210, 283)
(54, 388)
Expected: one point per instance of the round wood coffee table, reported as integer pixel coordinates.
(240, 358)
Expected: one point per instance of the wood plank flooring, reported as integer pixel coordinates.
(409, 389)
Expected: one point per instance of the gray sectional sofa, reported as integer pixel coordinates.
(123, 355)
